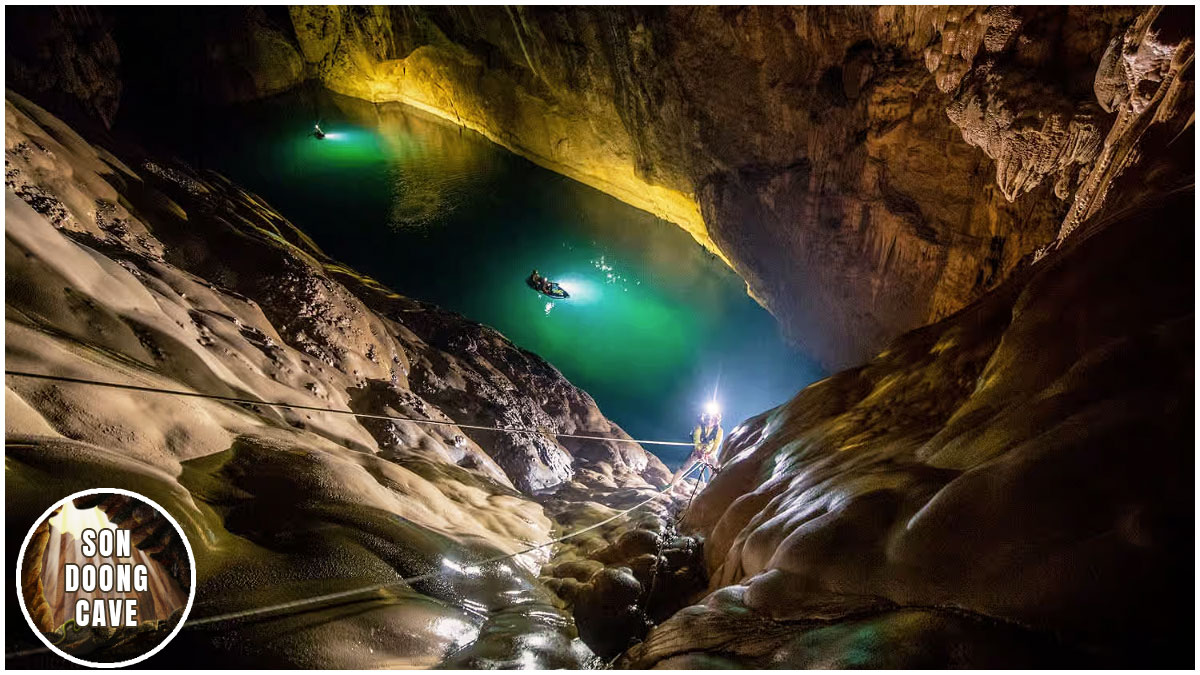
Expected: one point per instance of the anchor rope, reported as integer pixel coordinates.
(221, 618)
(336, 411)
(644, 605)
(326, 597)
(304, 602)
(662, 540)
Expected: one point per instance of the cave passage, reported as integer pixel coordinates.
(441, 214)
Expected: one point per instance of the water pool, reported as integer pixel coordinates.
(654, 325)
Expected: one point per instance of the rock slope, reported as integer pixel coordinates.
(144, 272)
(1010, 487)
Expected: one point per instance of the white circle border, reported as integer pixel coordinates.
(187, 609)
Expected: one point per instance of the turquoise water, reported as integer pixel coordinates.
(654, 324)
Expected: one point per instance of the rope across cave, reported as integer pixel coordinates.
(317, 599)
(305, 602)
(336, 411)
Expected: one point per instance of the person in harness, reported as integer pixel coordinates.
(706, 441)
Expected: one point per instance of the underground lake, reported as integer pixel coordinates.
(943, 292)
(655, 325)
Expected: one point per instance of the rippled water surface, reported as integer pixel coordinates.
(654, 323)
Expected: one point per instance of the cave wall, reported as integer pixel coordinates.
(1012, 485)
(65, 56)
(866, 170)
(1005, 486)
(129, 268)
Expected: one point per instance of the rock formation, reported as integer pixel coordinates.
(68, 57)
(1007, 485)
(824, 152)
(141, 271)
(1010, 486)
(866, 169)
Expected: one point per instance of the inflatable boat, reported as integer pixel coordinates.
(551, 290)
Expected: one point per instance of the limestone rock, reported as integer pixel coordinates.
(978, 465)
(67, 54)
(824, 152)
(147, 272)
(866, 170)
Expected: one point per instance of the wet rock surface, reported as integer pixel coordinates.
(879, 638)
(1014, 480)
(146, 272)
(1007, 487)
(622, 578)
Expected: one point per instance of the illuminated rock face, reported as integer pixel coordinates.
(564, 115)
(866, 170)
(1018, 474)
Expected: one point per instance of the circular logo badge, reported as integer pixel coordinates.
(106, 578)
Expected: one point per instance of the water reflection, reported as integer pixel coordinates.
(440, 213)
(429, 168)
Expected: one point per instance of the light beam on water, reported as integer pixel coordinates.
(441, 214)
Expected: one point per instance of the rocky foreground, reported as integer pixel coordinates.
(1010, 486)
(140, 271)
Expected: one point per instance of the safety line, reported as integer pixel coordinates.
(663, 539)
(336, 411)
(303, 602)
(409, 580)
(220, 618)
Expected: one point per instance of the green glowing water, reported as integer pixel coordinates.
(654, 322)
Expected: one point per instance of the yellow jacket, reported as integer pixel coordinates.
(708, 444)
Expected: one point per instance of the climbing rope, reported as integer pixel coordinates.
(662, 540)
(695, 488)
(326, 597)
(336, 411)
(408, 580)
(258, 611)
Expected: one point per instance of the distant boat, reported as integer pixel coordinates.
(552, 289)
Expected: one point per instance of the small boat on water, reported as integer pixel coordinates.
(546, 287)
